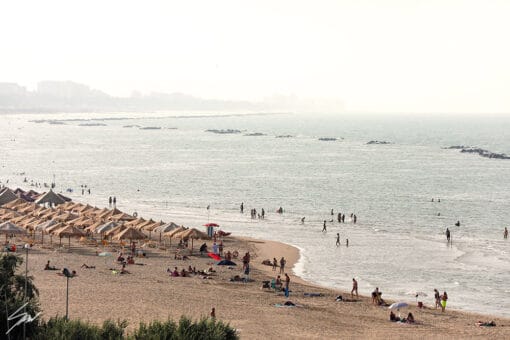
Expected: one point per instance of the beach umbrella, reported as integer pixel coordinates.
(116, 230)
(105, 227)
(171, 234)
(165, 228)
(14, 204)
(214, 256)
(122, 217)
(43, 227)
(9, 228)
(211, 225)
(68, 231)
(226, 263)
(130, 234)
(398, 305)
(193, 234)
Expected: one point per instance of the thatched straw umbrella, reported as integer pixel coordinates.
(45, 228)
(193, 234)
(9, 228)
(13, 204)
(130, 234)
(165, 228)
(68, 231)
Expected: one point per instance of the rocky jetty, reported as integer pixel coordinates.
(481, 152)
(255, 134)
(380, 142)
(227, 131)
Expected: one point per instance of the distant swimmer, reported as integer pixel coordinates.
(505, 233)
(324, 227)
(337, 239)
(457, 224)
(302, 220)
(447, 234)
(439, 200)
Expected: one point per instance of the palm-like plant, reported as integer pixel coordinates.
(12, 296)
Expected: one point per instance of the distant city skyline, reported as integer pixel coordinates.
(370, 55)
(68, 96)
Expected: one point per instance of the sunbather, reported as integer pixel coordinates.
(48, 267)
(87, 266)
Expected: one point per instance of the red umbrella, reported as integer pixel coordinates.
(211, 225)
(214, 256)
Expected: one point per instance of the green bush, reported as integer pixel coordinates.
(58, 328)
(156, 330)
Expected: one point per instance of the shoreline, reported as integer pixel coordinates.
(149, 293)
(262, 247)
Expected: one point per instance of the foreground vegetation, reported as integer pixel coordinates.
(12, 298)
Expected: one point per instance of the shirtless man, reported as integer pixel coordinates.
(354, 288)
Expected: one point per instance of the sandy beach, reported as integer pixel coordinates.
(149, 293)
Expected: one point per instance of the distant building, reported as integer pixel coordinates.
(12, 89)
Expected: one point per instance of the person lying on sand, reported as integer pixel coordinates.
(48, 267)
(87, 266)
(67, 273)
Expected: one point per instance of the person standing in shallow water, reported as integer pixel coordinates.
(505, 233)
(337, 239)
(447, 235)
(242, 207)
(324, 227)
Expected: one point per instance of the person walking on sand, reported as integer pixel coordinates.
(337, 239)
(505, 233)
(324, 227)
(275, 263)
(354, 288)
(287, 283)
(213, 313)
(282, 265)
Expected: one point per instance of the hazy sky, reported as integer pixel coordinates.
(375, 55)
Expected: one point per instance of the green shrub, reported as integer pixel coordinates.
(58, 328)
(156, 330)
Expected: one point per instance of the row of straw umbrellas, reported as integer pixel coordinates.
(73, 219)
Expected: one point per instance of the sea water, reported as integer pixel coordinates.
(398, 243)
